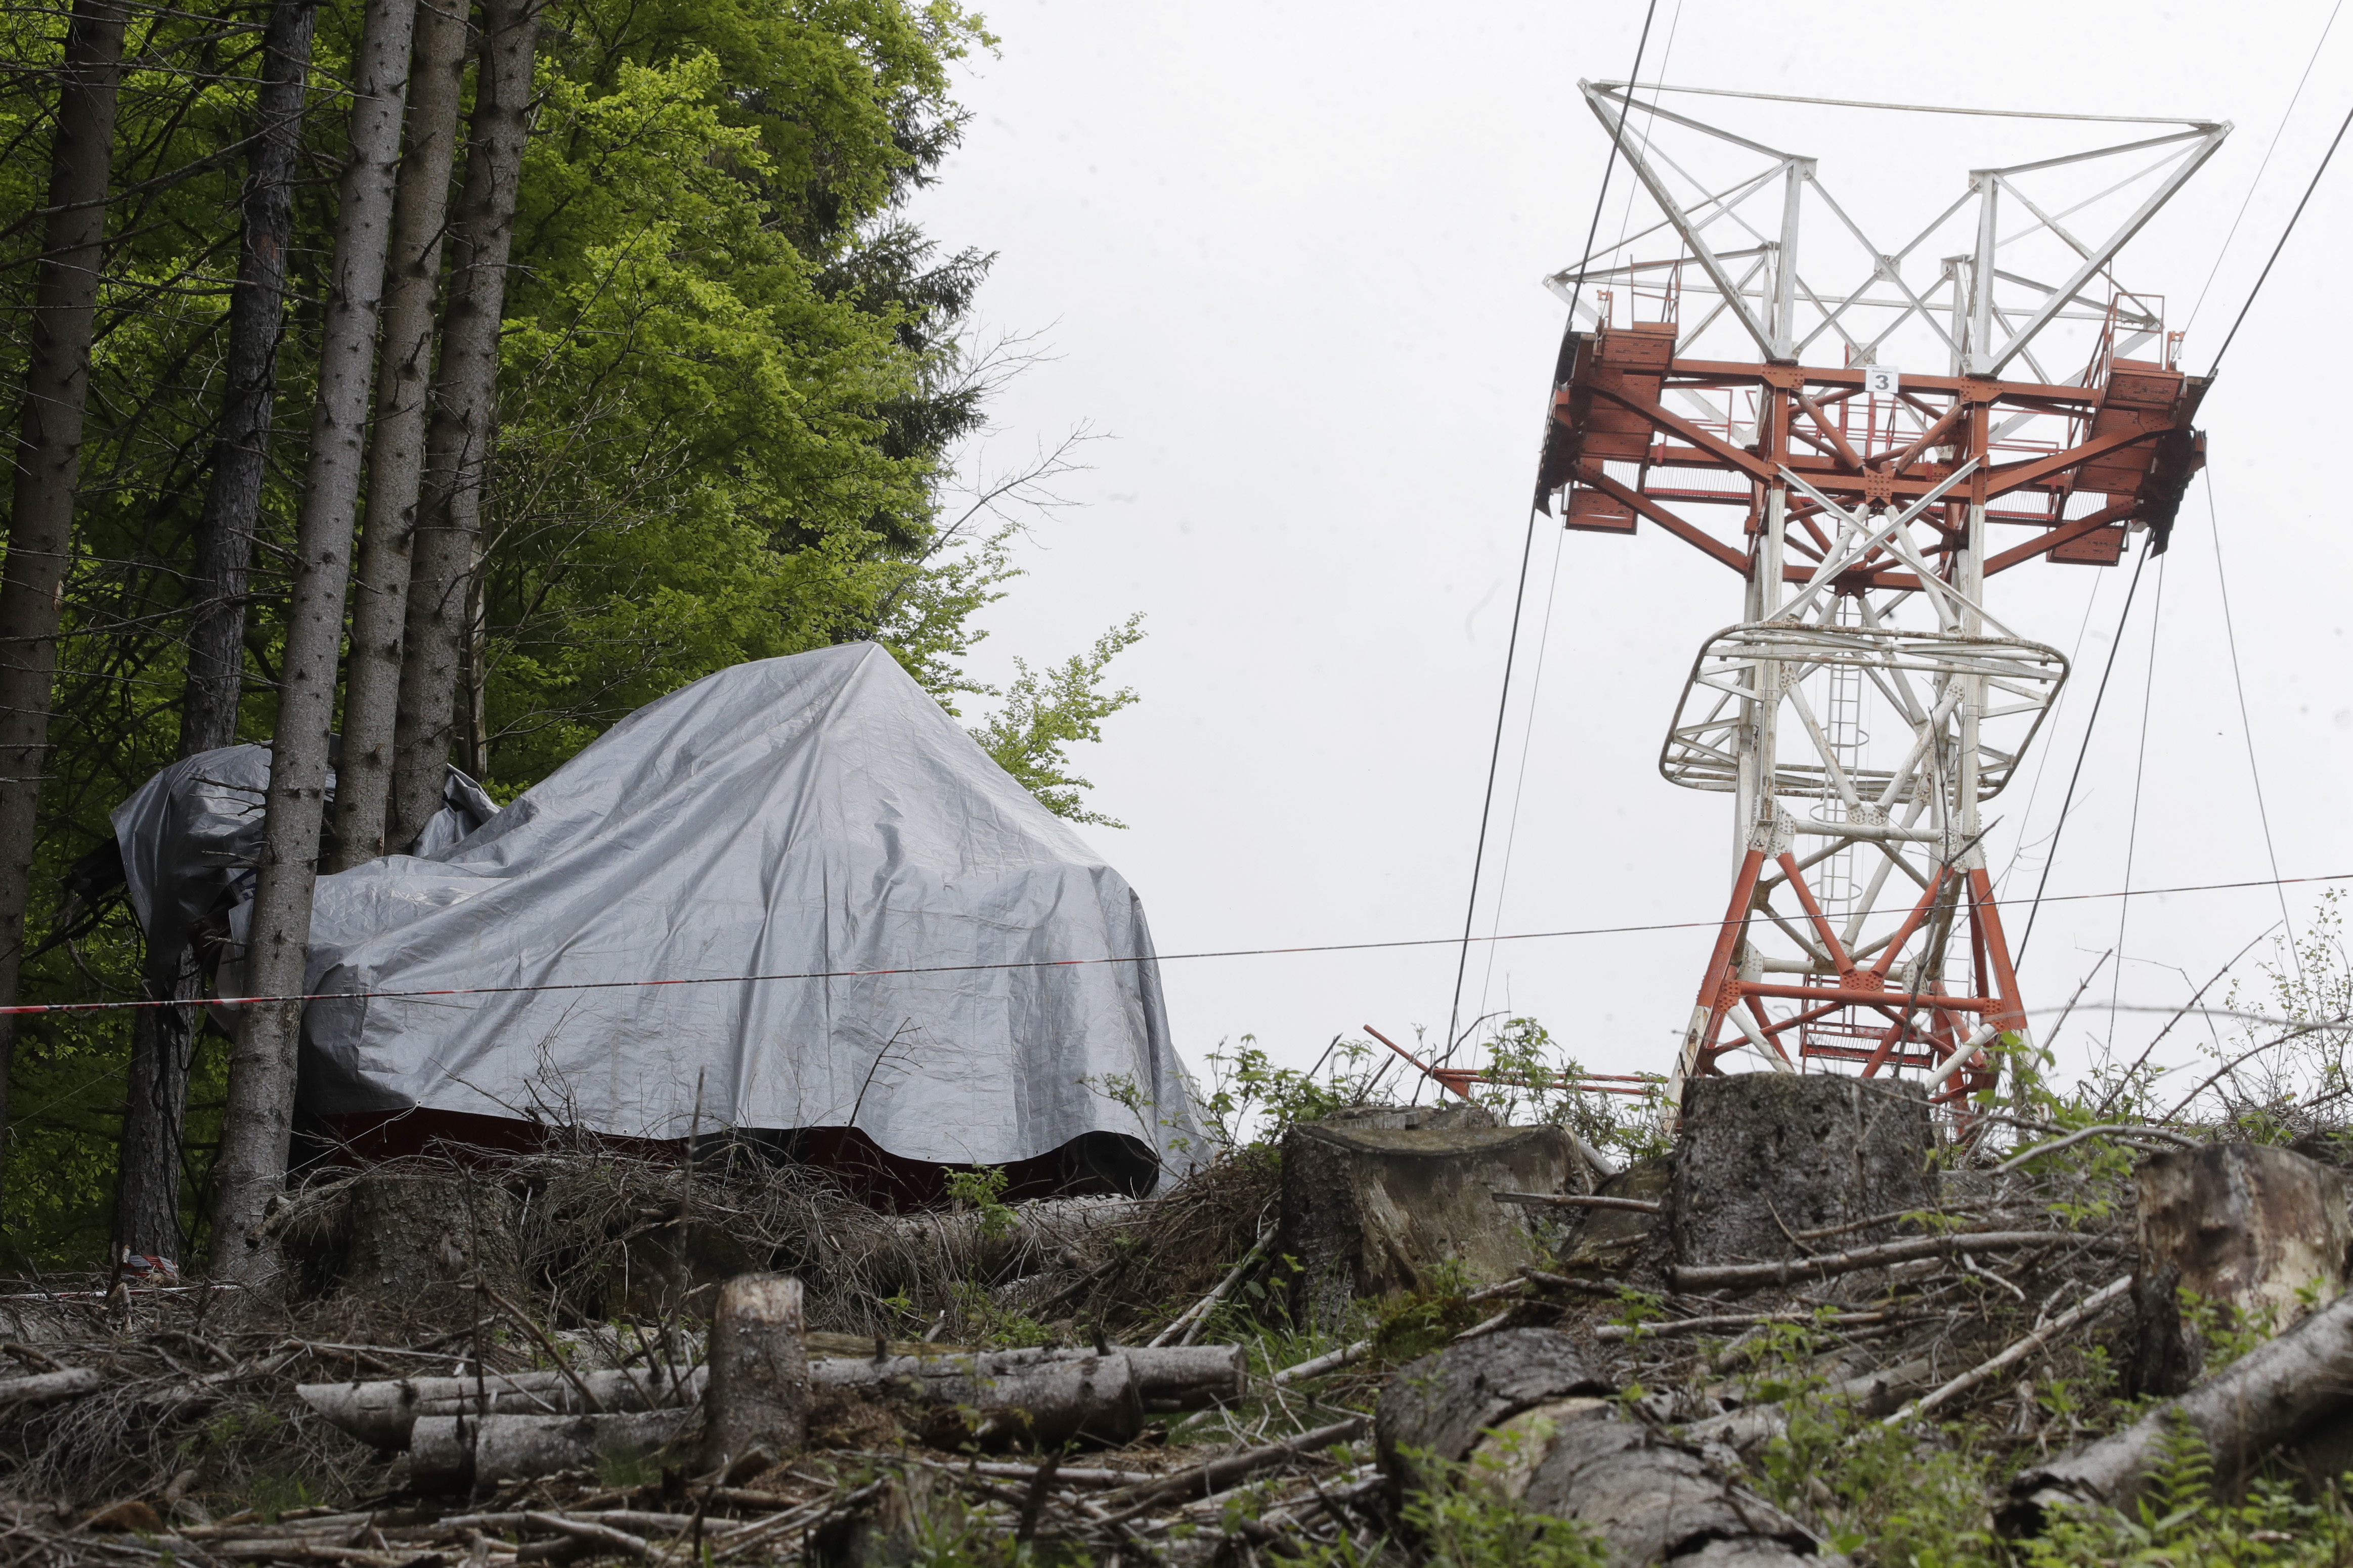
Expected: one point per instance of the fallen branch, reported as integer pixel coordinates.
(1191, 1320)
(2128, 1132)
(523, 1321)
(1505, 1288)
(1709, 1275)
(582, 1530)
(1488, 1326)
(1577, 1201)
(1671, 1327)
(1578, 1286)
(1208, 1480)
(1330, 1360)
(2098, 1302)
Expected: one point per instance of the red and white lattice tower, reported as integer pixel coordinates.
(1868, 437)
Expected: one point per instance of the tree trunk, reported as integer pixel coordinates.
(396, 453)
(259, 1116)
(257, 321)
(2258, 1232)
(457, 449)
(155, 1116)
(49, 463)
(758, 1394)
(147, 1190)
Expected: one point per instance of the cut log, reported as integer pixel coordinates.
(1653, 1500)
(758, 1393)
(1439, 1404)
(997, 1399)
(453, 1452)
(2259, 1231)
(1369, 1210)
(1186, 1377)
(1535, 1424)
(42, 1387)
(2276, 1394)
(1763, 1156)
(383, 1413)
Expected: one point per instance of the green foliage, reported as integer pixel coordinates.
(983, 1190)
(1047, 713)
(1250, 1101)
(2227, 1333)
(982, 1322)
(2299, 1051)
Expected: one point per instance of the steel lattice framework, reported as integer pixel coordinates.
(1867, 458)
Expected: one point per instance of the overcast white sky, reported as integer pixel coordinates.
(1289, 256)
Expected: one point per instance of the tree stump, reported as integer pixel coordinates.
(2257, 1234)
(1765, 1156)
(1369, 1210)
(409, 1244)
(758, 1392)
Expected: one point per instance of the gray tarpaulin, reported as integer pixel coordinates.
(191, 837)
(810, 814)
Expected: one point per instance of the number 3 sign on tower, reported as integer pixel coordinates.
(1880, 380)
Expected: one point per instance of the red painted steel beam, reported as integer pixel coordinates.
(2066, 533)
(2014, 476)
(1930, 999)
(1590, 475)
(1725, 451)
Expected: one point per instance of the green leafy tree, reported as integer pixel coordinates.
(1048, 711)
(735, 382)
